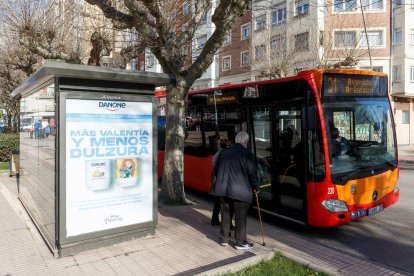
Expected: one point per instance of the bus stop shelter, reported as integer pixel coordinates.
(88, 169)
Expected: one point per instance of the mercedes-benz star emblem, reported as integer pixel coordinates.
(374, 195)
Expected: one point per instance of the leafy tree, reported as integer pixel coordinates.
(160, 28)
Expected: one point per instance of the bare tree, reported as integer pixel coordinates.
(15, 66)
(272, 57)
(165, 28)
(34, 30)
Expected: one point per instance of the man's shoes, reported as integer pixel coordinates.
(224, 241)
(215, 222)
(243, 246)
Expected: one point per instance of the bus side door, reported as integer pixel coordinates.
(289, 162)
(276, 142)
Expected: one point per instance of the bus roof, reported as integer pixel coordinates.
(315, 74)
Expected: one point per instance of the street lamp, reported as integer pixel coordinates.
(218, 93)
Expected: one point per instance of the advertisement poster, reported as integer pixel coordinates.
(109, 174)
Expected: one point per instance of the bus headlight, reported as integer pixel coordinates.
(397, 187)
(335, 205)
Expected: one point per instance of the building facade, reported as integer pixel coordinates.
(280, 38)
(402, 73)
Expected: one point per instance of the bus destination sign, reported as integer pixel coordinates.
(222, 98)
(354, 85)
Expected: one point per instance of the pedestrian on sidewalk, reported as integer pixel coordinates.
(224, 143)
(236, 180)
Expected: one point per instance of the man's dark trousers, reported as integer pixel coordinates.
(240, 213)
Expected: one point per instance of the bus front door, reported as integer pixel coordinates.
(276, 133)
(289, 162)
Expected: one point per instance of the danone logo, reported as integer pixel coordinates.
(100, 164)
(112, 106)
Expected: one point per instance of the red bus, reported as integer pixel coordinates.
(324, 141)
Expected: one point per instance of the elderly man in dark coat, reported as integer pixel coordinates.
(236, 180)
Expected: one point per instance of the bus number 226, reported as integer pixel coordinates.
(331, 190)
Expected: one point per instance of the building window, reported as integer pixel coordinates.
(374, 68)
(397, 2)
(245, 31)
(185, 8)
(227, 38)
(397, 36)
(184, 50)
(226, 65)
(150, 60)
(184, 27)
(301, 7)
(345, 38)
(245, 58)
(302, 41)
(345, 5)
(321, 38)
(412, 73)
(249, 6)
(412, 37)
(259, 51)
(396, 73)
(51, 90)
(405, 116)
(260, 22)
(279, 16)
(372, 4)
(278, 44)
(204, 18)
(201, 41)
(375, 39)
(173, 15)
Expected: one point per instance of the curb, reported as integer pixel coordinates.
(311, 265)
(237, 266)
(240, 265)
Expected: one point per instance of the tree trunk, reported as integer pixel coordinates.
(16, 117)
(172, 186)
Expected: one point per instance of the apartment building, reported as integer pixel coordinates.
(402, 75)
(235, 55)
(286, 37)
(280, 38)
(291, 36)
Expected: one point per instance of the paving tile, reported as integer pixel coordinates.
(184, 241)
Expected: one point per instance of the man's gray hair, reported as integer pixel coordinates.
(242, 137)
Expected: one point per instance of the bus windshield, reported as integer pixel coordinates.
(360, 134)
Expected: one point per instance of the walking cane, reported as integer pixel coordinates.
(260, 218)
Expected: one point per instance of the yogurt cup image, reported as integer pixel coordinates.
(98, 174)
(126, 172)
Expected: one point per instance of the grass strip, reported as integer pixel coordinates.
(278, 265)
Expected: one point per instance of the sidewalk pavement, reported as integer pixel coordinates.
(184, 244)
(406, 154)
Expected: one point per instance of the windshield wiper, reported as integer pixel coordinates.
(344, 177)
(361, 172)
(383, 162)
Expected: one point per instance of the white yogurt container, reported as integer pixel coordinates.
(98, 174)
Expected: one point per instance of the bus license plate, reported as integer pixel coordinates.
(375, 209)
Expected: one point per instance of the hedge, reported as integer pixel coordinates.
(8, 142)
